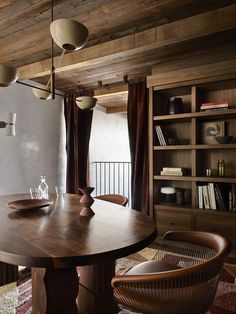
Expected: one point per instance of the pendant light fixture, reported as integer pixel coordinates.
(8, 75)
(86, 102)
(69, 35)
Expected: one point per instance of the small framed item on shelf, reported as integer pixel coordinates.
(210, 130)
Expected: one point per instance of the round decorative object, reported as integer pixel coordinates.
(27, 204)
(169, 194)
(86, 201)
(8, 75)
(175, 105)
(42, 94)
(69, 34)
(224, 139)
(172, 141)
(86, 102)
(184, 141)
(168, 190)
(180, 196)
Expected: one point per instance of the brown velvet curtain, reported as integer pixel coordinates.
(138, 139)
(78, 129)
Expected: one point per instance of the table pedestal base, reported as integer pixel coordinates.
(8, 273)
(54, 291)
(95, 291)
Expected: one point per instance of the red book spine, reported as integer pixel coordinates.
(215, 103)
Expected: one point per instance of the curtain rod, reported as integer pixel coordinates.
(114, 84)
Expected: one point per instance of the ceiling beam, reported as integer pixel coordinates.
(119, 49)
(119, 109)
(111, 91)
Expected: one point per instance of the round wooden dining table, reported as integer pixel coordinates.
(55, 240)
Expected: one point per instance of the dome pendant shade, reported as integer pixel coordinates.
(69, 34)
(8, 75)
(86, 102)
(42, 94)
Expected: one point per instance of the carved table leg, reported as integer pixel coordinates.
(95, 291)
(54, 291)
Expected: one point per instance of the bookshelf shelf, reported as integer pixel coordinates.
(215, 179)
(196, 179)
(196, 157)
(175, 178)
(174, 147)
(198, 146)
(204, 114)
(215, 146)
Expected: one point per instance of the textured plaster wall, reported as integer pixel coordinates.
(39, 145)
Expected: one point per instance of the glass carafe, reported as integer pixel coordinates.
(43, 188)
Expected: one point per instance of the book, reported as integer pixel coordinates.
(230, 200)
(159, 135)
(171, 169)
(222, 196)
(171, 173)
(211, 191)
(215, 103)
(162, 135)
(216, 106)
(214, 109)
(234, 197)
(200, 197)
(220, 205)
(206, 200)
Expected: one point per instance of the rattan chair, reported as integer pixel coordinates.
(182, 280)
(113, 198)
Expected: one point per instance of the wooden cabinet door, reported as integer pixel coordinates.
(222, 224)
(172, 221)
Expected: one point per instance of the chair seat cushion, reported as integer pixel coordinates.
(151, 267)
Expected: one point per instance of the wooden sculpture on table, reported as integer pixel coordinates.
(86, 201)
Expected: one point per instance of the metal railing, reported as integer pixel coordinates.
(111, 177)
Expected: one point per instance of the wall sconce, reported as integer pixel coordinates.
(7, 123)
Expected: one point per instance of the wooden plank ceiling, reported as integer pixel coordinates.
(126, 37)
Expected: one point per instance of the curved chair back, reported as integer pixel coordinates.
(113, 198)
(183, 279)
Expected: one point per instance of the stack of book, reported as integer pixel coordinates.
(160, 135)
(217, 196)
(170, 171)
(206, 196)
(216, 105)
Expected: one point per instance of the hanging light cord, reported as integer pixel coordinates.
(53, 67)
(57, 64)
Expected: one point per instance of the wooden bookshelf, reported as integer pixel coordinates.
(197, 156)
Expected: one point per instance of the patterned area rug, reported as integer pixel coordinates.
(15, 298)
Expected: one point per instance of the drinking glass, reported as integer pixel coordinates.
(34, 193)
(59, 190)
